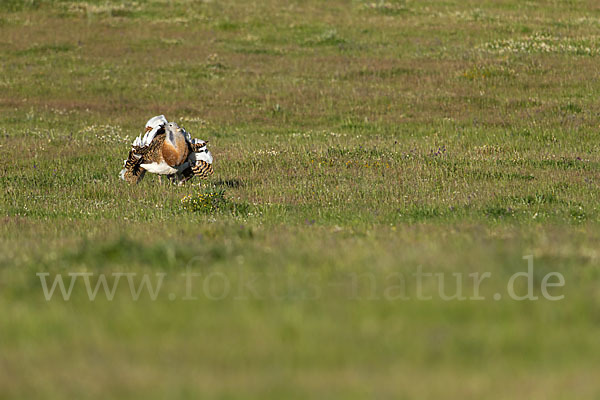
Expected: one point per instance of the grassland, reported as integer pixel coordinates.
(356, 143)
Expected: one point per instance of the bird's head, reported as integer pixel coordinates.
(172, 127)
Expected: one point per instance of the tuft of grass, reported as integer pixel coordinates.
(205, 202)
(210, 202)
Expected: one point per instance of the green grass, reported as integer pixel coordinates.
(355, 143)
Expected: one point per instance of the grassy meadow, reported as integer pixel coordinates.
(356, 143)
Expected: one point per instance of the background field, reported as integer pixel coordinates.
(356, 142)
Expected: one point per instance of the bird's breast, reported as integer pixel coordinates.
(174, 149)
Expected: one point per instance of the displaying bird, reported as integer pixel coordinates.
(166, 149)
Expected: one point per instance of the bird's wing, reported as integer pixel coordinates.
(141, 146)
(132, 171)
(202, 169)
(197, 145)
(154, 126)
(200, 151)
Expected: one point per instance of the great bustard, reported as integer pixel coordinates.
(167, 149)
